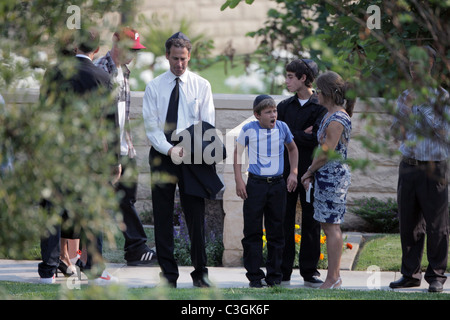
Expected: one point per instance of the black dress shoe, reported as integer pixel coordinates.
(171, 283)
(256, 284)
(64, 269)
(201, 283)
(435, 286)
(313, 282)
(404, 282)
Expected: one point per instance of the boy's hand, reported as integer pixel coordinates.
(241, 190)
(291, 182)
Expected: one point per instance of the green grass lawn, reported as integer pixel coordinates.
(216, 74)
(385, 251)
(27, 291)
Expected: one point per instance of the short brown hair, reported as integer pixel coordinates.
(305, 67)
(88, 40)
(179, 43)
(334, 88)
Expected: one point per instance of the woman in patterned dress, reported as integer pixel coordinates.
(328, 171)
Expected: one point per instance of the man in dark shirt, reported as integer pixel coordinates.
(74, 82)
(303, 114)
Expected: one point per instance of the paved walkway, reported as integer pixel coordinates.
(134, 277)
(221, 277)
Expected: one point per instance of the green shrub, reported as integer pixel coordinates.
(381, 215)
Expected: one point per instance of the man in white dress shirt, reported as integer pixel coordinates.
(194, 104)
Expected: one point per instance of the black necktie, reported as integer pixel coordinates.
(172, 111)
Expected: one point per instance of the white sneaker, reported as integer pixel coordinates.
(48, 280)
(106, 279)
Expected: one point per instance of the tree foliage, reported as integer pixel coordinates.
(338, 35)
(57, 144)
(341, 35)
(157, 29)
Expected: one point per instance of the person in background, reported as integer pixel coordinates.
(78, 79)
(264, 194)
(328, 170)
(302, 113)
(126, 43)
(70, 242)
(173, 102)
(421, 124)
(6, 153)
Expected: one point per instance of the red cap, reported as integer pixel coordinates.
(131, 34)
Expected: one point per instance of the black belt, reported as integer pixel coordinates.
(414, 162)
(266, 179)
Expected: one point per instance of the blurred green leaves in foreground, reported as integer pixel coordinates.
(57, 146)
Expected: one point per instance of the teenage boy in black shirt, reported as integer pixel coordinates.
(303, 115)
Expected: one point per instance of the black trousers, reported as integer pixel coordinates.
(135, 236)
(265, 201)
(310, 231)
(165, 176)
(51, 249)
(422, 196)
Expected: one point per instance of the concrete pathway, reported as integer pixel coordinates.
(134, 277)
(221, 277)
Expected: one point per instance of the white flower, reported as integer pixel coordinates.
(41, 56)
(144, 59)
(279, 79)
(252, 81)
(134, 84)
(282, 54)
(146, 76)
(162, 63)
(246, 83)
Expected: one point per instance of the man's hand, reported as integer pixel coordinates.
(176, 154)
